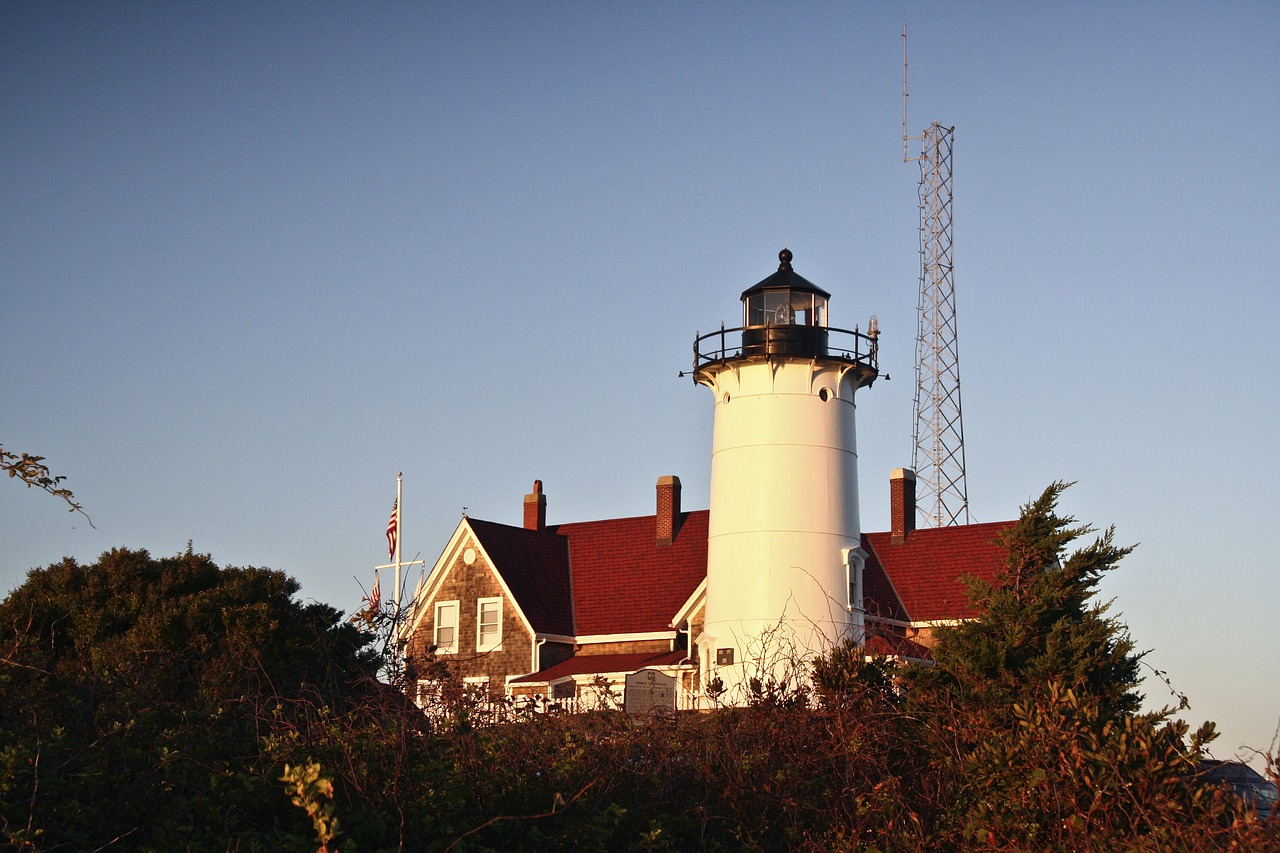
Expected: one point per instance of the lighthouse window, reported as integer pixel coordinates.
(777, 309)
(785, 308)
(808, 309)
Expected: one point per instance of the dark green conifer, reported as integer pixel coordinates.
(1041, 621)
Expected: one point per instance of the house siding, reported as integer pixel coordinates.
(467, 585)
(554, 653)
(692, 682)
(652, 647)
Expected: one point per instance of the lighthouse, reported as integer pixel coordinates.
(784, 564)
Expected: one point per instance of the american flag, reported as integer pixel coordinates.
(393, 529)
(375, 594)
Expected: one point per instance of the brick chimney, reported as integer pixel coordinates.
(668, 510)
(535, 508)
(902, 504)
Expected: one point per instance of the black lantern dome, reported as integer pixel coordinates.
(785, 314)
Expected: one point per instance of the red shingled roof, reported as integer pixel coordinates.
(926, 570)
(610, 577)
(588, 664)
(624, 583)
(878, 596)
(621, 581)
(535, 566)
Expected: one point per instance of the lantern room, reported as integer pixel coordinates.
(785, 314)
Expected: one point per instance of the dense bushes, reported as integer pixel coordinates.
(134, 695)
(169, 704)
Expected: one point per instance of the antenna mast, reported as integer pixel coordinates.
(937, 452)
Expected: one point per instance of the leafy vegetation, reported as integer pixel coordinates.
(31, 471)
(135, 693)
(170, 704)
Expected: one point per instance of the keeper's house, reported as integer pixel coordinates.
(545, 609)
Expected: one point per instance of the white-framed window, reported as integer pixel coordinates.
(446, 627)
(488, 624)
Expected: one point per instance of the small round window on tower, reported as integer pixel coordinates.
(726, 398)
(824, 394)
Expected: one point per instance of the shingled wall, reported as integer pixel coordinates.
(467, 585)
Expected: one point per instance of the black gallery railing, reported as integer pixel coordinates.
(795, 341)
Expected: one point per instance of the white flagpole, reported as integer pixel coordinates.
(398, 562)
(399, 537)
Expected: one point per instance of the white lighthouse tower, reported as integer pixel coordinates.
(783, 561)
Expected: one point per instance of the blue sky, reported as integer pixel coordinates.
(257, 258)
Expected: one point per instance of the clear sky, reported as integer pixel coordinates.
(257, 258)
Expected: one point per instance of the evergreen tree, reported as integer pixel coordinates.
(1031, 713)
(1041, 622)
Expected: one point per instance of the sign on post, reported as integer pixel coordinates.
(649, 690)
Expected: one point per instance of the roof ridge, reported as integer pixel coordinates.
(624, 518)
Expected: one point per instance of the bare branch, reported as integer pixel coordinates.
(558, 805)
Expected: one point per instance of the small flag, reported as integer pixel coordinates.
(393, 529)
(375, 594)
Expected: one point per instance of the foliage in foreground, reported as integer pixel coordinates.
(169, 704)
(135, 694)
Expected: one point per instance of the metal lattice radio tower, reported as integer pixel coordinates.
(937, 454)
